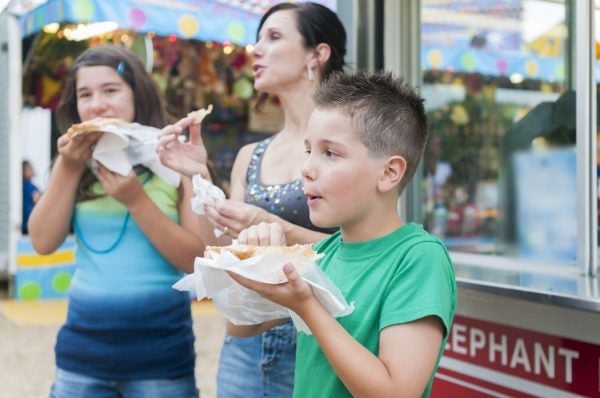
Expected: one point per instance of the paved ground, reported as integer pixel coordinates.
(28, 331)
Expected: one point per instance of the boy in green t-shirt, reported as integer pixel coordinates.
(364, 142)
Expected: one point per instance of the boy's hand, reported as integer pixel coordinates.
(295, 294)
(263, 234)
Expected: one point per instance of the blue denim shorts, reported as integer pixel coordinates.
(258, 366)
(69, 385)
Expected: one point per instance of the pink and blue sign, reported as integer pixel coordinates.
(206, 20)
(493, 63)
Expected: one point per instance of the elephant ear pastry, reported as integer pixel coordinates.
(97, 124)
(244, 252)
(200, 114)
(302, 256)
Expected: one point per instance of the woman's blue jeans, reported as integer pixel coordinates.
(258, 366)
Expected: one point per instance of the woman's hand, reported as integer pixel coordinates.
(234, 216)
(77, 150)
(123, 189)
(188, 158)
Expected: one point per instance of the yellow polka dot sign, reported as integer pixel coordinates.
(40, 277)
(205, 20)
(188, 25)
(491, 63)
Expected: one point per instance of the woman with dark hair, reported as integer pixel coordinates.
(128, 333)
(298, 46)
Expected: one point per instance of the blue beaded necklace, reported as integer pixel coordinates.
(86, 244)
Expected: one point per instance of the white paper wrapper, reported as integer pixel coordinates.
(124, 145)
(242, 306)
(206, 194)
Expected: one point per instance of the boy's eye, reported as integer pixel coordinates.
(330, 153)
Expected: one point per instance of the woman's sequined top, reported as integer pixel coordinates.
(284, 200)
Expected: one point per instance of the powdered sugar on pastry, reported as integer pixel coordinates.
(267, 261)
(244, 252)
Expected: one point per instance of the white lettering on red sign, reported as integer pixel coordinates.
(517, 362)
(516, 353)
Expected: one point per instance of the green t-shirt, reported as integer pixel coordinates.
(398, 278)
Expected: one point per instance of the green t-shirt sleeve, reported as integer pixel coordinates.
(422, 286)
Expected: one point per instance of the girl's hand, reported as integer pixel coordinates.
(188, 158)
(234, 216)
(123, 189)
(77, 150)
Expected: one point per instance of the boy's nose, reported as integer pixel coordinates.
(307, 171)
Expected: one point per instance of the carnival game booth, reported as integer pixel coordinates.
(198, 53)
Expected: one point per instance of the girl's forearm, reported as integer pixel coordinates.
(50, 221)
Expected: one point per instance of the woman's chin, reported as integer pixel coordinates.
(260, 86)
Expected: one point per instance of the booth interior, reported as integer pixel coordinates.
(501, 111)
(500, 179)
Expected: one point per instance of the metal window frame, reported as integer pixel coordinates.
(14, 133)
(585, 114)
(368, 28)
(402, 41)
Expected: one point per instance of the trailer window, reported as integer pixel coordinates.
(499, 172)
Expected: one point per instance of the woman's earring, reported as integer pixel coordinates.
(311, 75)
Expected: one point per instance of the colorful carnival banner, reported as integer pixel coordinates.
(493, 63)
(206, 20)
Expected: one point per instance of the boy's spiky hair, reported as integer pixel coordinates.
(386, 112)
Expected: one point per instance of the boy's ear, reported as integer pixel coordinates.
(394, 170)
(320, 55)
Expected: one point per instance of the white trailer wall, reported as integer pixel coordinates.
(10, 153)
(4, 147)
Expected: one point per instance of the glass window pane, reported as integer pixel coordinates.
(499, 170)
